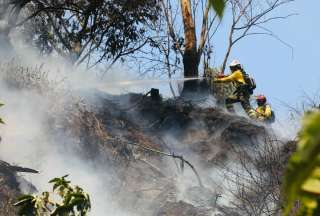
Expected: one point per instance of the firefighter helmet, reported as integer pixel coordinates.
(235, 63)
(261, 100)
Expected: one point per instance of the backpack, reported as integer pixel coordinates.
(272, 118)
(250, 82)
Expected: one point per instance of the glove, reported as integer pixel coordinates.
(220, 75)
(217, 80)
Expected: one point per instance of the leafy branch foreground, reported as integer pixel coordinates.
(302, 180)
(73, 201)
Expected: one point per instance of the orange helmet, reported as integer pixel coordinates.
(261, 100)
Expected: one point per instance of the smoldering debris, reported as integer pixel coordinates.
(87, 134)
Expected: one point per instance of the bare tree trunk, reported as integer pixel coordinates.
(190, 55)
(230, 44)
(235, 20)
(204, 31)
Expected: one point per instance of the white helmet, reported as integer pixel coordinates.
(234, 63)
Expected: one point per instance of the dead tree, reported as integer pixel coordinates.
(179, 39)
(249, 18)
(255, 183)
(184, 35)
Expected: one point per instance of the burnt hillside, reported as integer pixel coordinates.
(134, 128)
(150, 156)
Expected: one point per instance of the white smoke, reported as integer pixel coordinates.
(27, 142)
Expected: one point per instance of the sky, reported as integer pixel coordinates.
(281, 76)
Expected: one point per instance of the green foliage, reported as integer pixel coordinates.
(81, 28)
(30, 205)
(73, 201)
(60, 184)
(218, 6)
(302, 179)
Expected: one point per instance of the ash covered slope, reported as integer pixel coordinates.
(222, 147)
(111, 145)
(182, 126)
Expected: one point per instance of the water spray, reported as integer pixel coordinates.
(150, 81)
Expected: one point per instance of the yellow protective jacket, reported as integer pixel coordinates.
(236, 76)
(264, 112)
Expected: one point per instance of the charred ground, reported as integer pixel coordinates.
(123, 135)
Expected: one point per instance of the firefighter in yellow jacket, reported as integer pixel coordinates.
(242, 93)
(263, 111)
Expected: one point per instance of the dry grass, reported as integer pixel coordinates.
(6, 207)
(67, 115)
(256, 184)
(8, 193)
(20, 77)
(63, 104)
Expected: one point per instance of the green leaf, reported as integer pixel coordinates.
(74, 201)
(302, 171)
(218, 6)
(58, 179)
